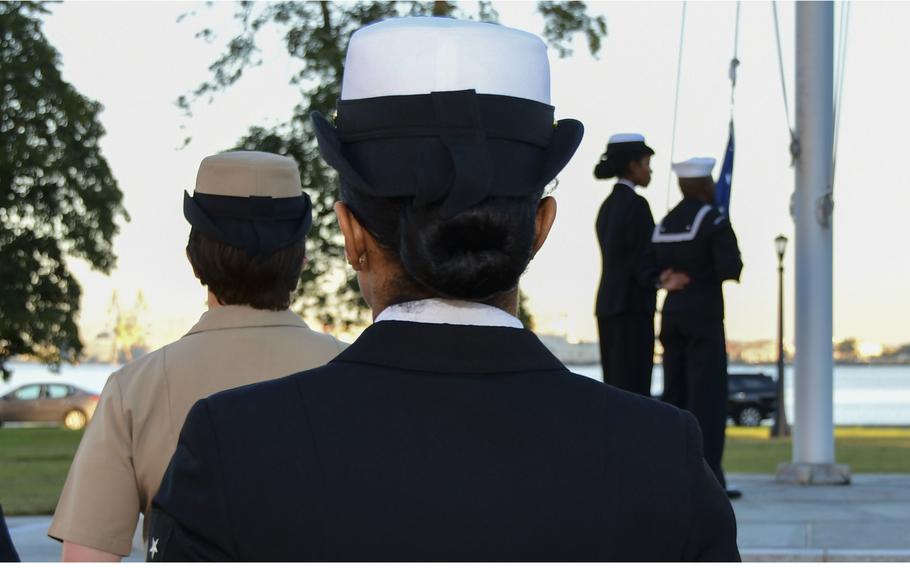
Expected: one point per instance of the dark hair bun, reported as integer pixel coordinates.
(473, 255)
(605, 169)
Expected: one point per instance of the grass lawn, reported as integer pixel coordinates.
(34, 461)
(33, 466)
(865, 450)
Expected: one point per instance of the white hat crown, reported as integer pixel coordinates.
(694, 167)
(421, 55)
(625, 137)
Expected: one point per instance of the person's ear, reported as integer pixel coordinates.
(355, 245)
(543, 222)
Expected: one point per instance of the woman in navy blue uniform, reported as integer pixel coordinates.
(446, 431)
(697, 239)
(626, 295)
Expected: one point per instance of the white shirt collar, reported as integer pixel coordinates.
(455, 312)
(624, 181)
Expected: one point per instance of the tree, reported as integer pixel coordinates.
(317, 33)
(847, 350)
(58, 197)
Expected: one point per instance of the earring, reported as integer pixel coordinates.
(362, 260)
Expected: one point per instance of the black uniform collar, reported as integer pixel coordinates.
(618, 187)
(445, 349)
(690, 203)
(685, 210)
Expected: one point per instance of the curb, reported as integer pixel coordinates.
(825, 555)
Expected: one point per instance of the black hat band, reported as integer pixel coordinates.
(454, 112)
(454, 147)
(258, 225)
(624, 149)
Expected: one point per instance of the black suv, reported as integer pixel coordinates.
(753, 397)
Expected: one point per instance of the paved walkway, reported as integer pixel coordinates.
(865, 521)
(33, 545)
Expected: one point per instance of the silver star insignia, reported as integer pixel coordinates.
(154, 548)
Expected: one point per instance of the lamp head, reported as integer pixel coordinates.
(780, 244)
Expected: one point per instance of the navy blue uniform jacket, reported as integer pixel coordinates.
(439, 442)
(624, 227)
(696, 239)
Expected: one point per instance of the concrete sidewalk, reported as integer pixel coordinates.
(31, 540)
(866, 521)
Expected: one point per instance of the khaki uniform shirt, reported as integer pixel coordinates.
(132, 436)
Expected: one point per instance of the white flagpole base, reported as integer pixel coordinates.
(813, 474)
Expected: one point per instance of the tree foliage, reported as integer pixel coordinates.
(316, 34)
(847, 349)
(57, 194)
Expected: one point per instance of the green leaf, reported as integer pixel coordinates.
(58, 197)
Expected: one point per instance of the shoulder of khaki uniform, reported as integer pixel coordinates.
(143, 369)
(337, 345)
(320, 340)
(139, 364)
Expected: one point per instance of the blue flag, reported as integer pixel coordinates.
(725, 179)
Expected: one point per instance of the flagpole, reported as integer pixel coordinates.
(813, 427)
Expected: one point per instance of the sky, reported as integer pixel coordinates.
(136, 59)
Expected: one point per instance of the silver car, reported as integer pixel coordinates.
(49, 402)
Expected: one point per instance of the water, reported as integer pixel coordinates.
(863, 395)
(868, 395)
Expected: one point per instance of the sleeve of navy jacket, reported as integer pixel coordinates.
(727, 260)
(189, 520)
(712, 536)
(640, 243)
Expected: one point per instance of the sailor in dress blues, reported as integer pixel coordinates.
(695, 238)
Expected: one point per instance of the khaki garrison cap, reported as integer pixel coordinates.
(249, 174)
(249, 200)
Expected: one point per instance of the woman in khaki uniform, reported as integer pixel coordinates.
(249, 220)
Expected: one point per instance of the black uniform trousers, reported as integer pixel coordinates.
(7, 550)
(695, 377)
(627, 351)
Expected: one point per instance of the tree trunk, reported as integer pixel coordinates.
(442, 8)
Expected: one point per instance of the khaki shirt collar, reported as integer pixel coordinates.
(232, 317)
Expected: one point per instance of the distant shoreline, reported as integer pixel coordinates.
(565, 361)
(788, 364)
(738, 353)
(836, 363)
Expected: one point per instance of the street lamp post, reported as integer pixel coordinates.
(780, 416)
